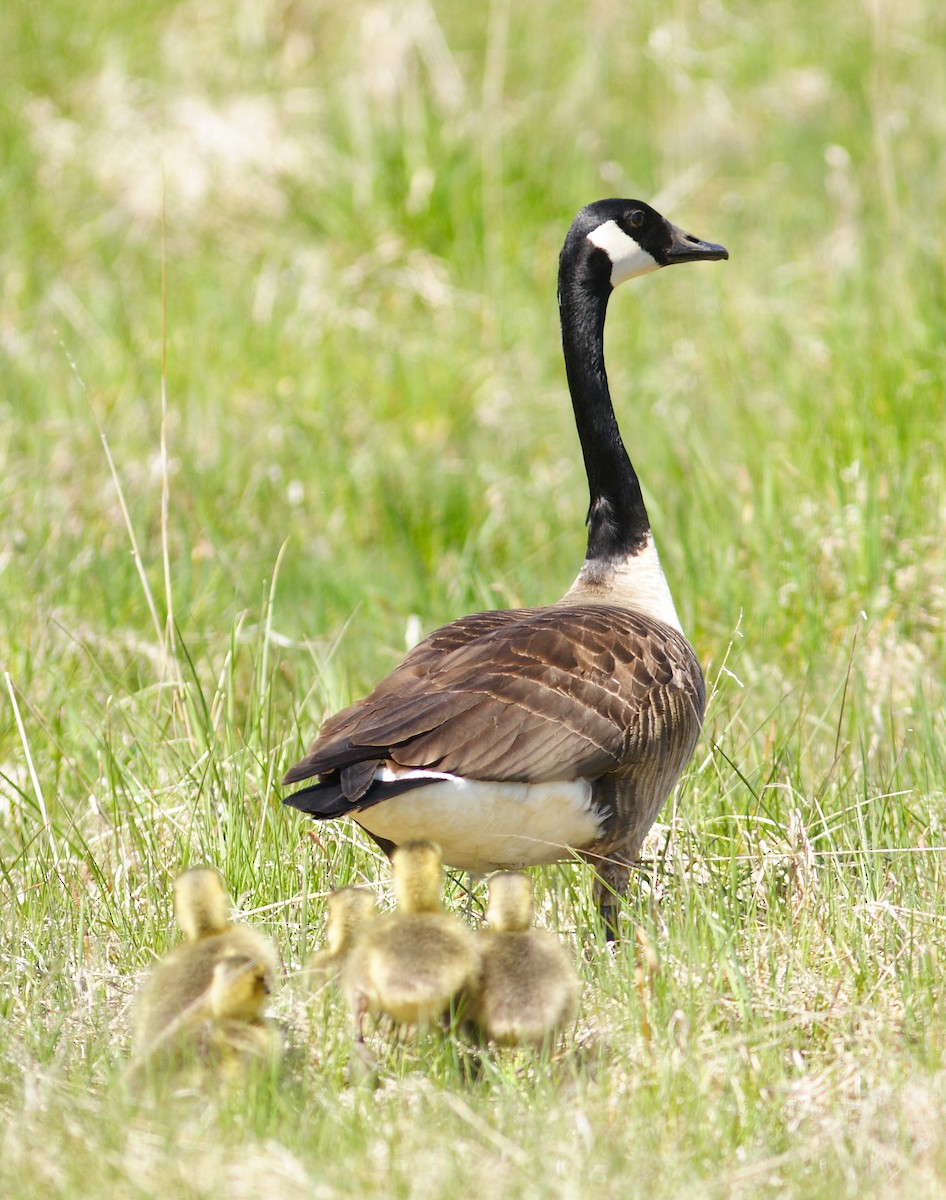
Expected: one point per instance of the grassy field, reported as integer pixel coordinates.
(233, 486)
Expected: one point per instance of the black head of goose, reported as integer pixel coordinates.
(520, 737)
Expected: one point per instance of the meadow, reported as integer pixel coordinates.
(281, 388)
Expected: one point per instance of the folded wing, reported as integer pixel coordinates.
(557, 693)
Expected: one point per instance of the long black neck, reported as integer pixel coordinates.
(617, 519)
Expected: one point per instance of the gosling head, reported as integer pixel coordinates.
(418, 877)
(201, 904)
(239, 989)
(510, 908)
(349, 909)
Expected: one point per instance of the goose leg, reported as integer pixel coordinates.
(613, 876)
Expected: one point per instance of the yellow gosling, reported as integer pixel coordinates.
(349, 911)
(223, 972)
(236, 1034)
(527, 990)
(410, 964)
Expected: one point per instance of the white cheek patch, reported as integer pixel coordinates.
(627, 258)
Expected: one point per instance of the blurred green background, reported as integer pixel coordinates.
(332, 230)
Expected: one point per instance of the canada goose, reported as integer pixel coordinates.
(411, 963)
(223, 971)
(527, 988)
(349, 910)
(515, 738)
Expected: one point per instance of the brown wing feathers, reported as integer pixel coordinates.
(557, 693)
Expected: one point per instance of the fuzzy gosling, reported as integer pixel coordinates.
(349, 911)
(411, 963)
(527, 990)
(222, 973)
(236, 1032)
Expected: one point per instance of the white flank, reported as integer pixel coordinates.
(627, 258)
(636, 582)
(482, 826)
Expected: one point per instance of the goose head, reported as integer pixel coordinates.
(617, 240)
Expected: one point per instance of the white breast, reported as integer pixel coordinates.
(636, 582)
(482, 826)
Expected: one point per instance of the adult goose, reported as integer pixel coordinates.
(521, 737)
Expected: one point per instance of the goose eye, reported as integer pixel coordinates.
(635, 219)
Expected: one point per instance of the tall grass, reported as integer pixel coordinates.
(366, 432)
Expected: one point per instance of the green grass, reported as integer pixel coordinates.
(367, 424)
